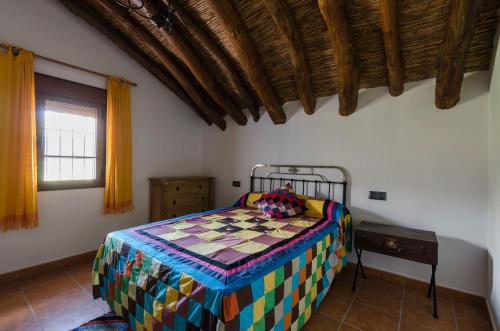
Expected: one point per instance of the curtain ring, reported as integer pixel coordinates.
(15, 50)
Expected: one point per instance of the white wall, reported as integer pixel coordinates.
(166, 135)
(433, 165)
(494, 194)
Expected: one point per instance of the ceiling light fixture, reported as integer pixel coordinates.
(161, 20)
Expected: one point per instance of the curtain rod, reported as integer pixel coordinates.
(41, 57)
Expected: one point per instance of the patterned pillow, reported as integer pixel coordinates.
(288, 192)
(276, 205)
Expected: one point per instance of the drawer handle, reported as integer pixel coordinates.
(177, 188)
(201, 186)
(202, 198)
(174, 202)
(391, 245)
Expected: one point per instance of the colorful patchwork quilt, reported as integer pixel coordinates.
(228, 268)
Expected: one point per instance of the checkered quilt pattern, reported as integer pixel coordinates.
(280, 206)
(225, 269)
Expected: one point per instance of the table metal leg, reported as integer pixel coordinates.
(429, 291)
(359, 265)
(432, 289)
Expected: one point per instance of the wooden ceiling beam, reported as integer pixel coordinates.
(390, 32)
(165, 58)
(291, 35)
(247, 55)
(333, 13)
(191, 60)
(464, 16)
(194, 26)
(86, 13)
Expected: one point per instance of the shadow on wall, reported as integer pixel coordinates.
(370, 95)
(473, 88)
(367, 96)
(463, 261)
(489, 275)
(292, 108)
(491, 283)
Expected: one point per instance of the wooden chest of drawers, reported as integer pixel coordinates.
(177, 196)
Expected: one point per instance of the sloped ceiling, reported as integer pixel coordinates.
(217, 72)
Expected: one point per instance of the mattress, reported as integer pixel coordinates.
(223, 269)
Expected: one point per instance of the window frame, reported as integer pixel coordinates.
(61, 90)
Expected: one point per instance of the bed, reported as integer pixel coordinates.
(229, 268)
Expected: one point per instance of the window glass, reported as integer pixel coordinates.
(69, 142)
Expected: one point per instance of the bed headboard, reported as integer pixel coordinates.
(327, 182)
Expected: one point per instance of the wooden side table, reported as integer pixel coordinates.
(409, 244)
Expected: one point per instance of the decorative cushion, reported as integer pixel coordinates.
(285, 190)
(314, 207)
(280, 205)
(253, 197)
(250, 198)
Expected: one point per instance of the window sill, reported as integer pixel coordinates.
(69, 185)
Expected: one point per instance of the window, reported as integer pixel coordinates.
(70, 134)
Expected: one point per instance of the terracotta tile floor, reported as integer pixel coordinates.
(51, 301)
(61, 299)
(381, 305)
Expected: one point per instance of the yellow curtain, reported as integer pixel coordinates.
(18, 175)
(118, 191)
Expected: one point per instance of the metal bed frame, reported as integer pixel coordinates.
(280, 174)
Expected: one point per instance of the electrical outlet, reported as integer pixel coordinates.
(236, 183)
(376, 195)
